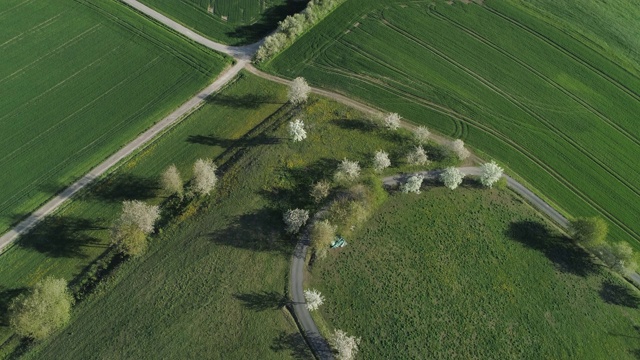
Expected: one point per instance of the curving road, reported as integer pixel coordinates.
(243, 55)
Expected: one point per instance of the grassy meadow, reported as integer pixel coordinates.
(214, 281)
(473, 273)
(65, 244)
(230, 22)
(82, 78)
(550, 105)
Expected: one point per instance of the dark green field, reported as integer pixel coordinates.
(79, 80)
(473, 273)
(548, 104)
(232, 22)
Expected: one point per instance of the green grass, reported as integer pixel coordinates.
(213, 282)
(551, 108)
(473, 273)
(76, 236)
(230, 22)
(82, 78)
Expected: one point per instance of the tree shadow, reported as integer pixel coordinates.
(635, 353)
(212, 140)
(6, 297)
(301, 179)
(262, 230)
(563, 253)
(248, 101)
(125, 187)
(361, 125)
(292, 343)
(619, 294)
(262, 301)
(268, 21)
(62, 236)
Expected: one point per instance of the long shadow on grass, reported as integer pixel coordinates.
(62, 236)
(268, 21)
(262, 301)
(618, 294)
(6, 297)
(302, 178)
(212, 140)
(125, 187)
(249, 101)
(292, 343)
(564, 254)
(258, 231)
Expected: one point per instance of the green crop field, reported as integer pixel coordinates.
(231, 22)
(66, 244)
(473, 273)
(80, 79)
(214, 280)
(548, 103)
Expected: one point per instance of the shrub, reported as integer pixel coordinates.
(204, 176)
(320, 190)
(457, 147)
(418, 156)
(321, 236)
(413, 184)
(296, 130)
(45, 309)
(589, 231)
(451, 177)
(381, 161)
(490, 173)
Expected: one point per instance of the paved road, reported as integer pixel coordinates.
(127, 150)
(243, 55)
(296, 278)
(238, 52)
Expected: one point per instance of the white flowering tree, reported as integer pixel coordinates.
(171, 181)
(313, 298)
(298, 91)
(421, 134)
(490, 173)
(140, 215)
(413, 184)
(457, 147)
(296, 130)
(204, 176)
(418, 156)
(345, 345)
(295, 219)
(392, 121)
(381, 161)
(451, 177)
(348, 170)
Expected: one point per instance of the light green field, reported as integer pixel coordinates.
(473, 273)
(82, 78)
(233, 22)
(548, 106)
(213, 283)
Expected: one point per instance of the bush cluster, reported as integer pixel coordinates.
(293, 26)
